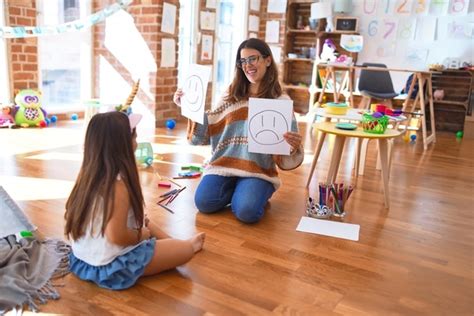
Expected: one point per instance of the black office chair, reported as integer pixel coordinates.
(375, 85)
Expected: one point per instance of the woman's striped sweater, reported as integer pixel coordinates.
(225, 129)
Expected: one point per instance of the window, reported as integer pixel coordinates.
(229, 34)
(187, 36)
(231, 29)
(71, 10)
(64, 59)
(4, 73)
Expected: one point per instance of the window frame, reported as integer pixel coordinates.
(86, 59)
(5, 64)
(236, 41)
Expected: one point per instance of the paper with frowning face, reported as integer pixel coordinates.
(268, 120)
(195, 88)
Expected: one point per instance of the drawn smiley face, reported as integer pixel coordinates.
(194, 91)
(267, 127)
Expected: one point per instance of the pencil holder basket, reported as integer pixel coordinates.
(332, 200)
(316, 210)
(373, 124)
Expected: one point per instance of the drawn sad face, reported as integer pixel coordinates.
(194, 90)
(267, 127)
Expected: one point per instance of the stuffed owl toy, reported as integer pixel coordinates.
(29, 111)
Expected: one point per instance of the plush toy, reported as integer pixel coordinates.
(438, 94)
(328, 52)
(29, 111)
(6, 118)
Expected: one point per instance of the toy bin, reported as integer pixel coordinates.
(144, 154)
(336, 108)
(374, 124)
(91, 108)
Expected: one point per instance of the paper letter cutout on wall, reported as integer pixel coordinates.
(169, 18)
(272, 33)
(168, 52)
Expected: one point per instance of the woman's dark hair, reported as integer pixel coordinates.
(269, 87)
(108, 152)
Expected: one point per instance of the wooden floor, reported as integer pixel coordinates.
(416, 258)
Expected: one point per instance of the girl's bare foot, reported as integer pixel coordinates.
(197, 241)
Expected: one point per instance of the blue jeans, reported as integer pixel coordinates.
(247, 196)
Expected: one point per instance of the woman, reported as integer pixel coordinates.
(235, 176)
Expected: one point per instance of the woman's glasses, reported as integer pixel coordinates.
(251, 60)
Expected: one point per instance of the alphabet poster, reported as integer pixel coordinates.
(268, 120)
(195, 89)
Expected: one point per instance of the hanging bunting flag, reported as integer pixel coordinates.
(77, 25)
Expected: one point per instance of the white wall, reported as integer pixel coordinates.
(445, 34)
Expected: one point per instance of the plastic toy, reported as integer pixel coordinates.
(170, 124)
(74, 117)
(43, 124)
(144, 154)
(413, 137)
(6, 118)
(54, 119)
(29, 111)
(328, 52)
(344, 60)
(459, 134)
(23, 234)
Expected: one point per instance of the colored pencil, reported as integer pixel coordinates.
(166, 208)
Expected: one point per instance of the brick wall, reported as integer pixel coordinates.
(281, 17)
(23, 51)
(157, 93)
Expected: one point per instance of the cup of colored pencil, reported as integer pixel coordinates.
(335, 196)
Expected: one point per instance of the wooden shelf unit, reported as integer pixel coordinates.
(307, 44)
(297, 71)
(451, 111)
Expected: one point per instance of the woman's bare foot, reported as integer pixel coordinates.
(197, 241)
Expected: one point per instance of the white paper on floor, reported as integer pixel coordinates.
(329, 228)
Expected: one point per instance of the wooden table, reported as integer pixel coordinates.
(355, 115)
(420, 76)
(341, 135)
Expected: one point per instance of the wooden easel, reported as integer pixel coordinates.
(420, 102)
(346, 84)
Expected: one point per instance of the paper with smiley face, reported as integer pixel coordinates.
(195, 89)
(268, 120)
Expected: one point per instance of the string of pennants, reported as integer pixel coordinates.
(73, 26)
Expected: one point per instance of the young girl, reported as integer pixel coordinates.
(113, 243)
(235, 176)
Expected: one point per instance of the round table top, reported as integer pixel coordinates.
(354, 115)
(329, 127)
